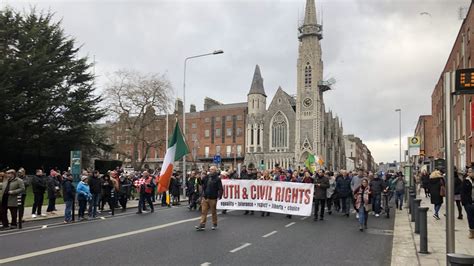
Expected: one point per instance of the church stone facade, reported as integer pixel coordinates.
(294, 126)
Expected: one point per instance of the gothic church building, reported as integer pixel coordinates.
(294, 126)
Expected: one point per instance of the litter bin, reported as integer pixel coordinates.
(459, 259)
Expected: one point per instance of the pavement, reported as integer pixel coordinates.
(406, 243)
(168, 237)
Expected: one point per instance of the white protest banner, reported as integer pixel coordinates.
(269, 196)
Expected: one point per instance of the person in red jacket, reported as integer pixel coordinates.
(145, 186)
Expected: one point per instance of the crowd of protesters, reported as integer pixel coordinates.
(359, 192)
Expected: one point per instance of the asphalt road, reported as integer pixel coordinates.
(167, 237)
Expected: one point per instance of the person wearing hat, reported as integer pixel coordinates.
(437, 190)
(83, 196)
(12, 186)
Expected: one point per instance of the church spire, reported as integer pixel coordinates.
(310, 13)
(310, 25)
(257, 83)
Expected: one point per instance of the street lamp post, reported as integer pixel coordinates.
(399, 137)
(216, 52)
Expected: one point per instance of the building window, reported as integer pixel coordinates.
(307, 76)
(193, 125)
(206, 133)
(218, 149)
(279, 131)
(229, 132)
(239, 131)
(194, 137)
(239, 117)
(218, 132)
(207, 120)
(258, 136)
(218, 119)
(206, 151)
(239, 150)
(228, 118)
(228, 150)
(251, 134)
(118, 140)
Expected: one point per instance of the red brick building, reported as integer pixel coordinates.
(425, 130)
(218, 129)
(459, 58)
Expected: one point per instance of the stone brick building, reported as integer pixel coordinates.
(358, 155)
(294, 126)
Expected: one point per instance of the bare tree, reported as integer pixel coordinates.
(137, 99)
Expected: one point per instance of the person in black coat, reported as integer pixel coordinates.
(39, 187)
(436, 185)
(321, 184)
(457, 194)
(95, 185)
(69, 193)
(467, 200)
(52, 183)
(343, 186)
(425, 182)
(212, 191)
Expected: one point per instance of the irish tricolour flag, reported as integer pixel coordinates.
(177, 148)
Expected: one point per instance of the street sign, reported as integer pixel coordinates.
(217, 159)
(464, 81)
(414, 145)
(76, 165)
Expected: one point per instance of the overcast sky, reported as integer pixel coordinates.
(384, 54)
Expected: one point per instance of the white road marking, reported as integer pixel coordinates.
(61, 224)
(90, 242)
(44, 226)
(237, 249)
(269, 234)
(206, 264)
(290, 224)
(304, 218)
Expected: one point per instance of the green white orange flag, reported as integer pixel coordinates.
(177, 148)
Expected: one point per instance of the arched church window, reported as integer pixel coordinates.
(279, 129)
(307, 76)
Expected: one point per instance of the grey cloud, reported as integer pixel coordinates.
(383, 53)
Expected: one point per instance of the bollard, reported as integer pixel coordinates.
(20, 218)
(73, 208)
(459, 259)
(112, 202)
(410, 202)
(422, 217)
(414, 217)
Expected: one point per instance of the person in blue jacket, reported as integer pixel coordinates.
(83, 196)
